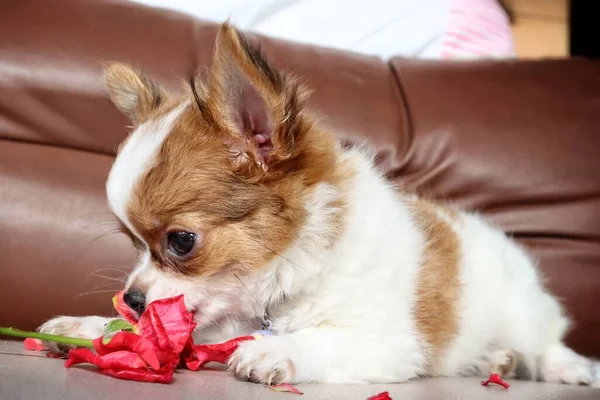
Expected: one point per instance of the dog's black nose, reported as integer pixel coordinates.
(136, 300)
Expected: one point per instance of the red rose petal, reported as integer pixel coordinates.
(163, 340)
(167, 324)
(165, 330)
(34, 344)
(123, 309)
(204, 353)
(496, 379)
(153, 328)
(163, 375)
(117, 360)
(128, 341)
(123, 357)
(381, 396)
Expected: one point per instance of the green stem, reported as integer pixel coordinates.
(47, 337)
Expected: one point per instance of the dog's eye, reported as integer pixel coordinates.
(181, 242)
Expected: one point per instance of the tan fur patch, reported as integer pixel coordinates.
(436, 310)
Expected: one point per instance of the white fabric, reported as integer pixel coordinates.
(477, 29)
(384, 28)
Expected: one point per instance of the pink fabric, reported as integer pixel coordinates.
(477, 29)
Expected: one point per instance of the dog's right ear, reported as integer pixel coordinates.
(259, 109)
(132, 93)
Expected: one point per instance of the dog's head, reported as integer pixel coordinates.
(214, 186)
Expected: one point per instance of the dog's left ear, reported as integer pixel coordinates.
(258, 108)
(131, 91)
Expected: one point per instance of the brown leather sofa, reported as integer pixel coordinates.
(517, 141)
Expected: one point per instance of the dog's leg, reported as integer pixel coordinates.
(327, 355)
(502, 362)
(560, 364)
(79, 327)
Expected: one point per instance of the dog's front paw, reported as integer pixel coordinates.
(78, 327)
(267, 361)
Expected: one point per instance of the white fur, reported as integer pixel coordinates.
(343, 310)
(135, 158)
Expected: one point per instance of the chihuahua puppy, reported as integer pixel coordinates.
(234, 196)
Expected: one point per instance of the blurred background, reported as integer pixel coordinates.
(415, 28)
(540, 27)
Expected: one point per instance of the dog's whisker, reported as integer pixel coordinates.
(124, 270)
(102, 224)
(97, 288)
(106, 277)
(255, 304)
(109, 233)
(277, 254)
(118, 282)
(86, 216)
(96, 213)
(94, 292)
(105, 269)
(104, 285)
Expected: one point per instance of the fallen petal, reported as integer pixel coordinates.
(381, 396)
(34, 344)
(285, 387)
(495, 379)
